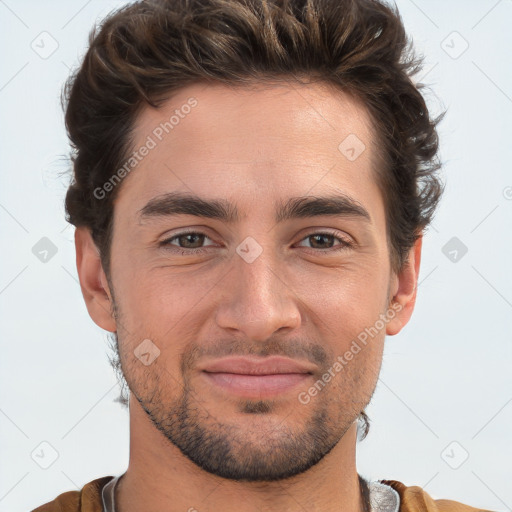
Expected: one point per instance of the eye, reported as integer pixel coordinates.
(320, 240)
(188, 242)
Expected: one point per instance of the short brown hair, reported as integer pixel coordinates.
(147, 50)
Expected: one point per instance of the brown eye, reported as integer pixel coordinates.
(325, 242)
(190, 240)
(319, 241)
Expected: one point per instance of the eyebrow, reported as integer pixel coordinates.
(179, 203)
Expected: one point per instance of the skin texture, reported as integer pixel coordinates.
(192, 444)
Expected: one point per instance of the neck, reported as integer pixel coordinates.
(160, 478)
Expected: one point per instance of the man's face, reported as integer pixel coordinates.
(317, 283)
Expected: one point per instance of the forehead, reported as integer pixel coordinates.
(282, 111)
(255, 142)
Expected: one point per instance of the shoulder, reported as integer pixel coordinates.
(87, 499)
(414, 498)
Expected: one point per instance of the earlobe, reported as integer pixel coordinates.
(404, 299)
(93, 281)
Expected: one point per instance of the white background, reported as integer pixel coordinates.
(447, 377)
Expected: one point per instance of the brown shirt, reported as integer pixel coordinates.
(412, 499)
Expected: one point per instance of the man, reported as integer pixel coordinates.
(251, 183)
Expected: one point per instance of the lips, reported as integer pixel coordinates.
(257, 366)
(256, 377)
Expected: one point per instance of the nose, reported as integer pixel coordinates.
(257, 301)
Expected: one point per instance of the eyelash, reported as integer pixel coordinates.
(345, 244)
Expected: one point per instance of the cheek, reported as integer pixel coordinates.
(157, 294)
(344, 301)
(169, 308)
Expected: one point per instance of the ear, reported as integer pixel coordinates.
(404, 290)
(93, 280)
